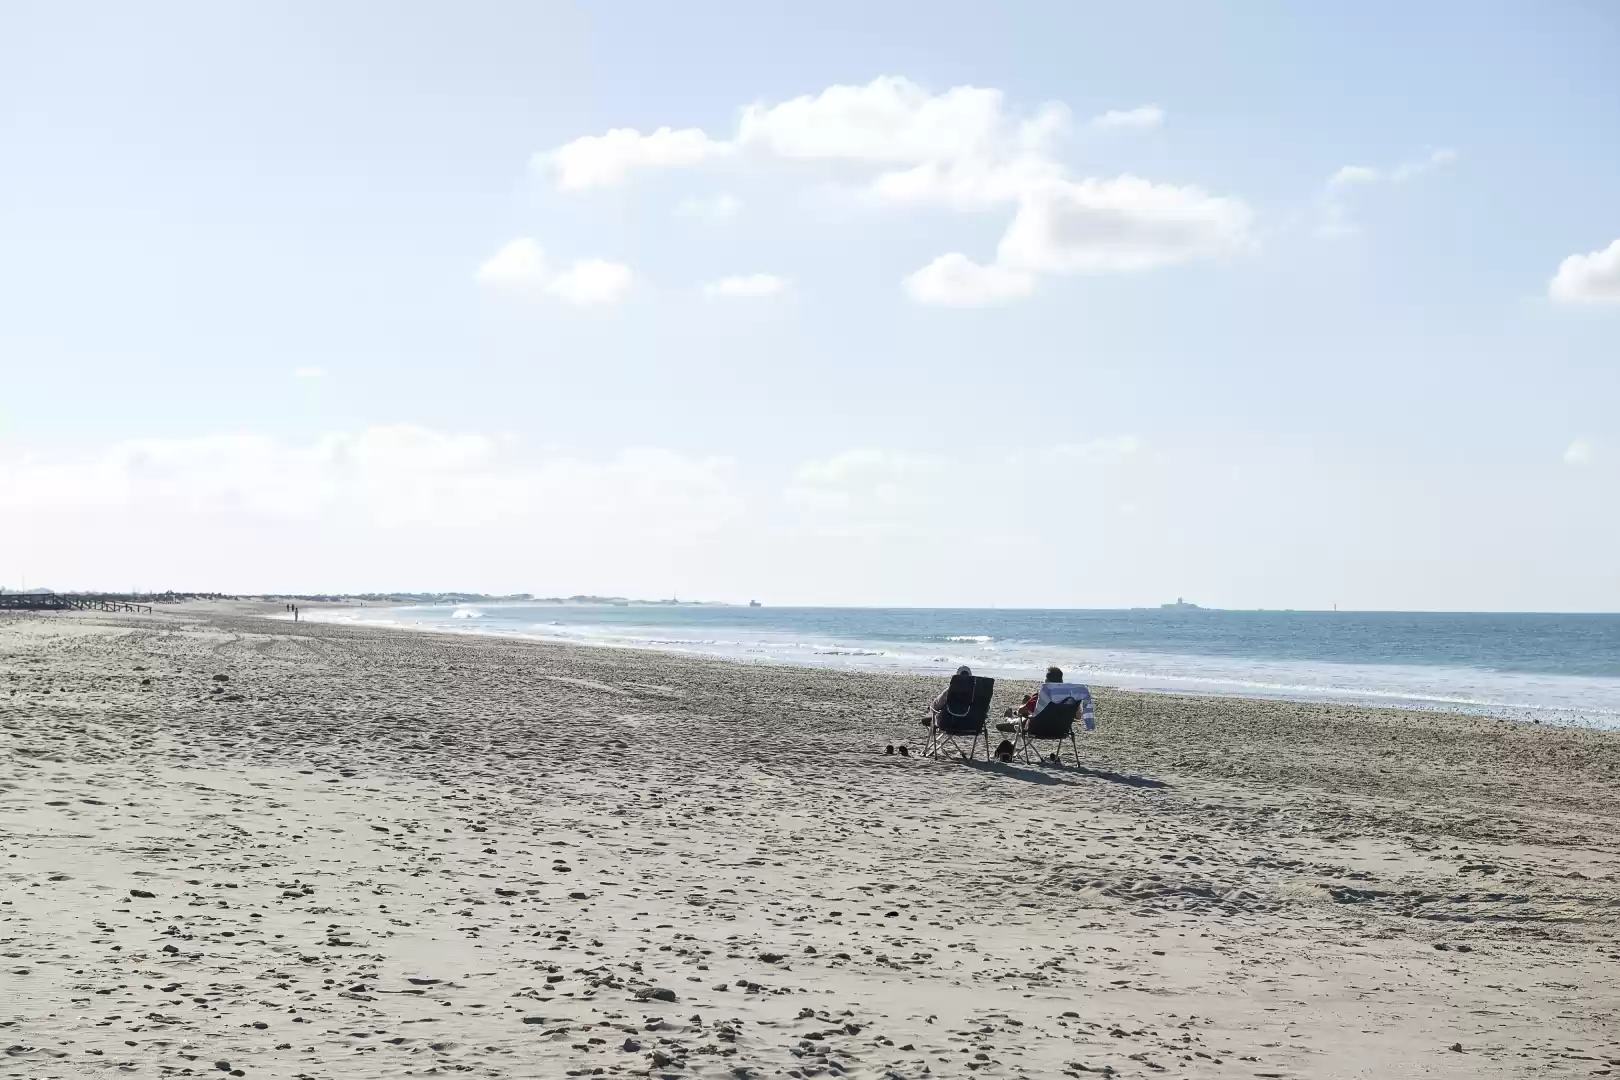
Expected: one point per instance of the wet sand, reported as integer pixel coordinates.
(235, 846)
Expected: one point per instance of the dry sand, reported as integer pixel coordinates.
(233, 846)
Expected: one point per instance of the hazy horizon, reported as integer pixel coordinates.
(943, 305)
(407, 597)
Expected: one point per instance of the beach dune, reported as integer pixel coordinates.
(237, 846)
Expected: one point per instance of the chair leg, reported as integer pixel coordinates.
(1076, 749)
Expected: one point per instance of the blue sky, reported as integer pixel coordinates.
(1284, 332)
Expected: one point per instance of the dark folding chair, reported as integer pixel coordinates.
(1055, 723)
(1060, 705)
(967, 706)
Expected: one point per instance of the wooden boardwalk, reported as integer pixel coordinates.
(70, 602)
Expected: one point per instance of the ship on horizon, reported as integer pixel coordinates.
(1180, 605)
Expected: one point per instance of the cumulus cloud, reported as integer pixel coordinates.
(893, 120)
(1125, 224)
(954, 280)
(1588, 279)
(890, 120)
(519, 264)
(608, 160)
(1143, 116)
(964, 149)
(1089, 226)
(967, 185)
(1580, 452)
(1354, 174)
(746, 286)
(520, 269)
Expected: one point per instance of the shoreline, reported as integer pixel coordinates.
(365, 853)
(1532, 714)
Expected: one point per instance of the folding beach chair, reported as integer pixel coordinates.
(1057, 706)
(967, 704)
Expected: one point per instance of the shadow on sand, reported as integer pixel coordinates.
(1019, 772)
(1053, 774)
(1128, 779)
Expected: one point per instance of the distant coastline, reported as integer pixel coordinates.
(171, 597)
(490, 598)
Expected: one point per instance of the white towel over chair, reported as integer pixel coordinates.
(1063, 694)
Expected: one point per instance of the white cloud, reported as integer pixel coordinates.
(1143, 116)
(520, 269)
(1402, 173)
(967, 150)
(966, 185)
(372, 481)
(309, 373)
(1588, 279)
(592, 281)
(747, 286)
(519, 264)
(954, 280)
(1580, 452)
(1337, 219)
(1354, 174)
(892, 119)
(608, 160)
(1125, 224)
(721, 207)
(1082, 226)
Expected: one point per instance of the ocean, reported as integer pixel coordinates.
(1556, 669)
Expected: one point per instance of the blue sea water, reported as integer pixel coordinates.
(1562, 669)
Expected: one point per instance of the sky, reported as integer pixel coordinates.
(933, 304)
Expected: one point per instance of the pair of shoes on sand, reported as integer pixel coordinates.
(890, 750)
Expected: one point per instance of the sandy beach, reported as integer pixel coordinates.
(236, 846)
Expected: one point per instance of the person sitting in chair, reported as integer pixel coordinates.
(939, 702)
(1027, 709)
